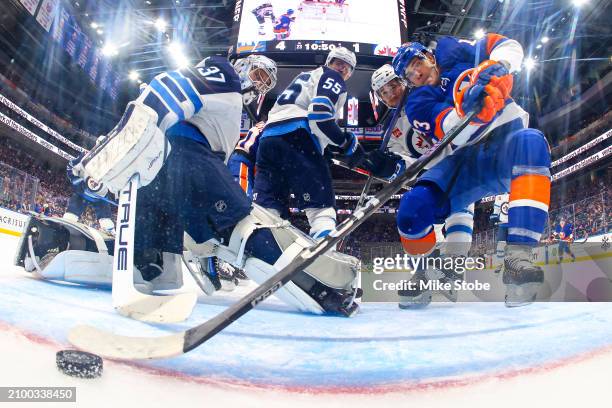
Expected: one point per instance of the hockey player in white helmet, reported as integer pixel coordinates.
(177, 136)
(300, 125)
(405, 146)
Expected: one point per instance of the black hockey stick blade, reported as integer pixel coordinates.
(121, 347)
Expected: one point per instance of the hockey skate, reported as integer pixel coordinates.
(419, 296)
(337, 301)
(521, 277)
(416, 297)
(204, 272)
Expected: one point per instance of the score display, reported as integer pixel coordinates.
(319, 25)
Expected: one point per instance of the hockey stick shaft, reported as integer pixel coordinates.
(385, 142)
(200, 334)
(125, 347)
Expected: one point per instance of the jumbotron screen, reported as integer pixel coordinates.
(363, 26)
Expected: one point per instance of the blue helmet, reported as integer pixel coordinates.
(405, 54)
(290, 11)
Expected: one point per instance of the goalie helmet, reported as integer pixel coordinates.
(382, 76)
(257, 76)
(343, 54)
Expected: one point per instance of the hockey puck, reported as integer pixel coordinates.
(79, 363)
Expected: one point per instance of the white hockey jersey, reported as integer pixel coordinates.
(207, 96)
(312, 101)
(500, 208)
(410, 144)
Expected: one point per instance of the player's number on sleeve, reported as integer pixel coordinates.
(291, 93)
(212, 74)
(421, 126)
(333, 85)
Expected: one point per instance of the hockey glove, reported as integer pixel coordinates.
(384, 165)
(487, 100)
(352, 150)
(496, 74)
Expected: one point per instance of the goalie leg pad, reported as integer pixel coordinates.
(59, 249)
(291, 294)
(136, 145)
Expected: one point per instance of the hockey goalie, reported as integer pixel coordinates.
(187, 198)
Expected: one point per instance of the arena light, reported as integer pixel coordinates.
(161, 24)
(579, 3)
(479, 33)
(529, 63)
(110, 50)
(544, 40)
(134, 76)
(94, 25)
(100, 31)
(175, 50)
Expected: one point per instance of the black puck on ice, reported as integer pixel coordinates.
(79, 363)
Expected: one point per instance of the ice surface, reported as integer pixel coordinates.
(438, 356)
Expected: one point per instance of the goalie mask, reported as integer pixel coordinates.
(257, 76)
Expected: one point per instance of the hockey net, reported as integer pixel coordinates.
(321, 9)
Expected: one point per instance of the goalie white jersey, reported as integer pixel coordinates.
(207, 96)
(312, 101)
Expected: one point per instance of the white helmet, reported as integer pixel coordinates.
(382, 76)
(343, 54)
(258, 85)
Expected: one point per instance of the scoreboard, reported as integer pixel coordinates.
(367, 27)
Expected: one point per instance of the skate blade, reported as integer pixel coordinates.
(521, 295)
(451, 295)
(415, 302)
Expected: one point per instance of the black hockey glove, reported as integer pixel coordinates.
(352, 151)
(383, 164)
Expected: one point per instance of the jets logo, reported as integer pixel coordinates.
(504, 208)
(419, 143)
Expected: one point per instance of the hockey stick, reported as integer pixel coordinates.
(128, 300)
(111, 345)
(385, 142)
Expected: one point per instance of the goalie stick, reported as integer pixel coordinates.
(111, 345)
(128, 300)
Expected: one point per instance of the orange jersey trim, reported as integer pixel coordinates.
(438, 131)
(244, 177)
(531, 187)
(492, 40)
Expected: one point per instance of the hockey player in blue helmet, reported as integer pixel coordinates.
(458, 77)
